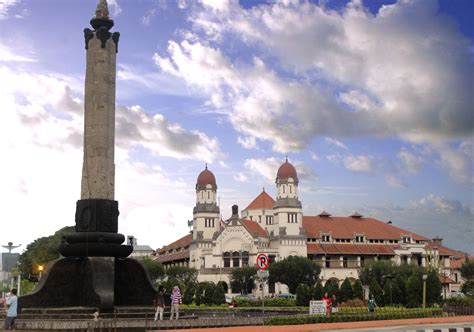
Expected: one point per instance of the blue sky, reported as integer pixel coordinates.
(370, 100)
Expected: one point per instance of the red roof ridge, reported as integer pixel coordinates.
(262, 201)
(180, 243)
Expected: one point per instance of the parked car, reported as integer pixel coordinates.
(288, 296)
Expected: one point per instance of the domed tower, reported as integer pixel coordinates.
(288, 211)
(206, 212)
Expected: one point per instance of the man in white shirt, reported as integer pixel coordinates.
(11, 305)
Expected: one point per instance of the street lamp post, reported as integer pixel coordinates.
(424, 290)
(40, 269)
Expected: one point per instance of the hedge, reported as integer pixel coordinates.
(314, 319)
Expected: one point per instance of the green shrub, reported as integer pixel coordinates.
(303, 295)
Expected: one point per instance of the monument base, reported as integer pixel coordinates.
(99, 282)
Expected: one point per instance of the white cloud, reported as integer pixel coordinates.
(5, 6)
(264, 167)
(217, 6)
(335, 142)
(114, 8)
(430, 216)
(148, 16)
(393, 181)
(240, 177)
(268, 168)
(458, 161)
(405, 71)
(41, 132)
(411, 163)
(358, 163)
(247, 142)
(7, 55)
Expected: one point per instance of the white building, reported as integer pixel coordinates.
(340, 245)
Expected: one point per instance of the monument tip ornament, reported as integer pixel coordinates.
(95, 271)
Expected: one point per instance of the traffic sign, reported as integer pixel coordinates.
(262, 261)
(263, 274)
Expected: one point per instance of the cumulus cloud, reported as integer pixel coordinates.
(410, 162)
(458, 161)
(268, 168)
(8, 55)
(431, 216)
(405, 71)
(154, 132)
(247, 142)
(5, 6)
(358, 163)
(41, 132)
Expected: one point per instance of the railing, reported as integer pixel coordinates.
(337, 264)
(216, 270)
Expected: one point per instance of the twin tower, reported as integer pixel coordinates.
(286, 218)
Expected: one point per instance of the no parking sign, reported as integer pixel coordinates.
(262, 261)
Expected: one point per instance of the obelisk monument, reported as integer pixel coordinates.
(95, 271)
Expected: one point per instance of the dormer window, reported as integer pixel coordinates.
(406, 239)
(359, 238)
(325, 238)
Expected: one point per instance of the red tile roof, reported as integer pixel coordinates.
(262, 201)
(347, 227)
(253, 228)
(175, 256)
(349, 248)
(181, 243)
(446, 279)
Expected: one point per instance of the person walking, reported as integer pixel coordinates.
(11, 305)
(371, 304)
(175, 302)
(159, 303)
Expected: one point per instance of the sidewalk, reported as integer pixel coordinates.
(336, 326)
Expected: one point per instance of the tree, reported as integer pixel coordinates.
(376, 270)
(433, 288)
(303, 295)
(376, 291)
(41, 251)
(155, 269)
(318, 291)
(294, 270)
(185, 278)
(358, 290)
(219, 294)
(332, 287)
(414, 291)
(346, 292)
(242, 279)
(397, 297)
(209, 293)
(402, 287)
(467, 270)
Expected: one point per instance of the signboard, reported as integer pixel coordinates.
(262, 274)
(262, 261)
(317, 307)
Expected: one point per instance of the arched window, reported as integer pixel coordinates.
(283, 188)
(245, 258)
(235, 259)
(226, 259)
(208, 194)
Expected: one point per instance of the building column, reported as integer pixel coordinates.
(408, 260)
(341, 261)
(358, 261)
(423, 261)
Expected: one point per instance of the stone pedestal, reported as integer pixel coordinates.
(98, 282)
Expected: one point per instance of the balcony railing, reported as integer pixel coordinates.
(337, 264)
